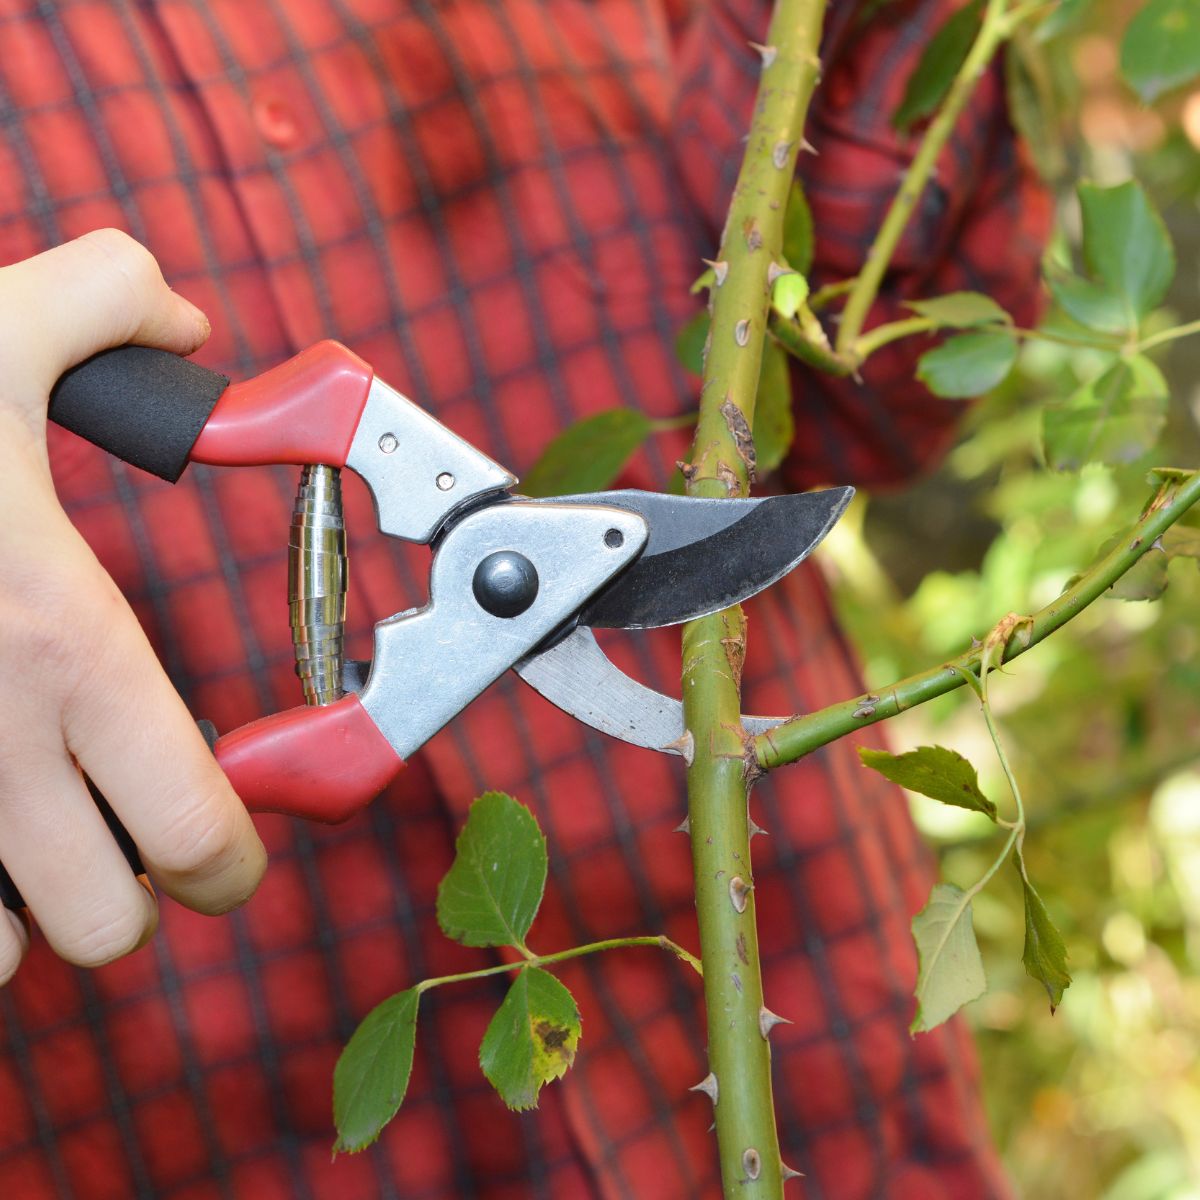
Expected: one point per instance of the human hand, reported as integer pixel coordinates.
(87, 692)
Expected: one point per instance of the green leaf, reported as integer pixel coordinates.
(798, 230)
(961, 310)
(1045, 953)
(967, 365)
(1126, 245)
(934, 771)
(1093, 305)
(1062, 19)
(774, 425)
(933, 74)
(492, 891)
(589, 455)
(1181, 541)
(532, 1038)
(950, 969)
(371, 1075)
(1033, 102)
(689, 343)
(1113, 419)
(790, 291)
(1161, 47)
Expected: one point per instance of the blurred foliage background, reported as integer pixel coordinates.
(1102, 721)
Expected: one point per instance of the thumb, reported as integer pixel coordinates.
(103, 289)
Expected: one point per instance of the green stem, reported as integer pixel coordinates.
(794, 340)
(992, 32)
(802, 735)
(1168, 335)
(667, 424)
(893, 331)
(831, 291)
(541, 960)
(713, 648)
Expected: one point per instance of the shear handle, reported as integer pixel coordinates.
(158, 411)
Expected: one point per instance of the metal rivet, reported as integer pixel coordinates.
(614, 538)
(388, 443)
(505, 583)
(445, 481)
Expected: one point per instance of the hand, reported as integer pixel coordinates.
(84, 689)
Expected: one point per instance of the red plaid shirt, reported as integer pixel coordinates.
(500, 204)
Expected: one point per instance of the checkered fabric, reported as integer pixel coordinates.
(500, 204)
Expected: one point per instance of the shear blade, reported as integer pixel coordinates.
(704, 555)
(577, 676)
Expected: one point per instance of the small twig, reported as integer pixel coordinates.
(792, 740)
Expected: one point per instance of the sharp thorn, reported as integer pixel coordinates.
(788, 1173)
(756, 829)
(808, 147)
(767, 1020)
(719, 269)
(708, 1085)
(739, 889)
(768, 54)
(684, 826)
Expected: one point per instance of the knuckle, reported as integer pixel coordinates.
(207, 838)
(107, 934)
(131, 261)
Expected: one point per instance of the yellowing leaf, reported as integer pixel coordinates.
(532, 1038)
(950, 972)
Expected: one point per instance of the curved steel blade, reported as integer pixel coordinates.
(704, 555)
(578, 677)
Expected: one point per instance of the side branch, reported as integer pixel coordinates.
(796, 738)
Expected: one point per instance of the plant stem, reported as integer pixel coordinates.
(802, 735)
(893, 331)
(541, 960)
(994, 29)
(1168, 335)
(794, 340)
(713, 648)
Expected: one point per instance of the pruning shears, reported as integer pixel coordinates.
(515, 583)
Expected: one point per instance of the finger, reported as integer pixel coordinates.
(131, 733)
(61, 856)
(14, 941)
(103, 289)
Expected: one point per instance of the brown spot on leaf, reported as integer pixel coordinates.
(553, 1037)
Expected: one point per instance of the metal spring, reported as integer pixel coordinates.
(318, 579)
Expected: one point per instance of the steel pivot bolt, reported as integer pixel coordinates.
(505, 583)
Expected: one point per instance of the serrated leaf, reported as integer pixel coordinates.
(1062, 19)
(1126, 245)
(1181, 541)
(1113, 419)
(1161, 47)
(1092, 305)
(492, 891)
(790, 291)
(935, 71)
(589, 455)
(774, 424)
(961, 310)
(532, 1038)
(372, 1073)
(967, 365)
(950, 969)
(1045, 953)
(689, 343)
(934, 771)
(798, 230)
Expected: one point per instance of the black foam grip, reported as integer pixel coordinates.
(10, 897)
(145, 406)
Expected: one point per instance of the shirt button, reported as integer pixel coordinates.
(276, 122)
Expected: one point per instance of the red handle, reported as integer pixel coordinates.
(323, 762)
(305, 410)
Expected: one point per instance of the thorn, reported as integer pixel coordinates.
(768, 54)
(751, 1162)
(687, 470)
(739, 889)
(713, 1127)
(708, 1085)
(719, 269)
(788, 1173)
(684, 745)
(684, 826)
(756, 829)
(741, 331)
(808, 147)
(767, 1020)
(775, 271)
(779, 154)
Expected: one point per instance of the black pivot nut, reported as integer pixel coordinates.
(505, 583)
